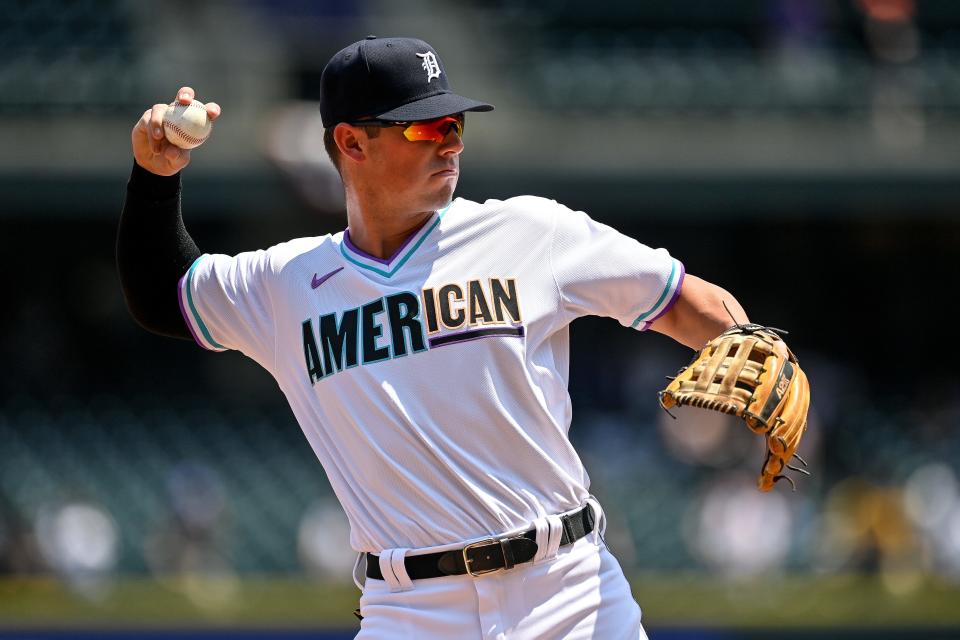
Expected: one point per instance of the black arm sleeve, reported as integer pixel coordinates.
(154, 250)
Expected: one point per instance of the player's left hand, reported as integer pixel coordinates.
(748, 371)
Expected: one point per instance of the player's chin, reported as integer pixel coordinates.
(441, 190)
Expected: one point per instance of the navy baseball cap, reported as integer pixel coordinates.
(397, 79)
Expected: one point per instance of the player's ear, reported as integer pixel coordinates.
(350, 141)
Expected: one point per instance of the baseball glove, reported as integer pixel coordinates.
(748, 371)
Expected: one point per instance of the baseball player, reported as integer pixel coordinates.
(424, 353)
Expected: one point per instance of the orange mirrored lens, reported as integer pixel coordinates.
(433, 130)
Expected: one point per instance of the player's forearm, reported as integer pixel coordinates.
(702, 312)
(153, 251)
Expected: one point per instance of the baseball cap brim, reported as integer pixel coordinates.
(443, 104)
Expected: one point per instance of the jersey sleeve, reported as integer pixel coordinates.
(600, 271)
(225, 301)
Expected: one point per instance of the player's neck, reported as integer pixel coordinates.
(379, 232)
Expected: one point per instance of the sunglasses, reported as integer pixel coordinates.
(421, 130)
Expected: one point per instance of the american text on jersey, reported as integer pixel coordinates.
(397, 325)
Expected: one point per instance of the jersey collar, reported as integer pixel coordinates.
(387, 268)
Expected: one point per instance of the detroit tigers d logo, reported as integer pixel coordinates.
(430, 65)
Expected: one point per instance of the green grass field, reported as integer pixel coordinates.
(681, 601)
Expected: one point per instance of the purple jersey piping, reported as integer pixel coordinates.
(359, 252)
(673, 299)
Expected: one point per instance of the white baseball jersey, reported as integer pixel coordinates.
(432, 386)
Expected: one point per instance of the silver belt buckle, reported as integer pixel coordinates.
(467, 560)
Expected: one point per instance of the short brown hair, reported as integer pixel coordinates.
(331, 145)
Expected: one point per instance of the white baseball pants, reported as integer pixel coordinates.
(579, 593)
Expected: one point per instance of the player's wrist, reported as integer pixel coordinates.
(151, 185)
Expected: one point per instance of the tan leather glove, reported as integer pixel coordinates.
(749, 371)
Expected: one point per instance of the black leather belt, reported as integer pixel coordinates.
(486, 556)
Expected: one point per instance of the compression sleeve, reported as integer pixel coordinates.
(153, 251)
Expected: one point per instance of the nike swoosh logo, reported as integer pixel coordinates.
(316, 282)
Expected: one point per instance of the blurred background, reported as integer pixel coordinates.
(801, 153)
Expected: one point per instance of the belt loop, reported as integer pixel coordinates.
(556, 535)
(393, 570)
(543, 538)
(549, 532)
(400, 570)
(358, 571)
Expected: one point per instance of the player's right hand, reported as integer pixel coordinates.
(151, 149)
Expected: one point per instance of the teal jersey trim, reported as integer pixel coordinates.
(413, 249)
(193, 309)
(663, 295)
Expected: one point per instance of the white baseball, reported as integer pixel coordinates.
(186, 126)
